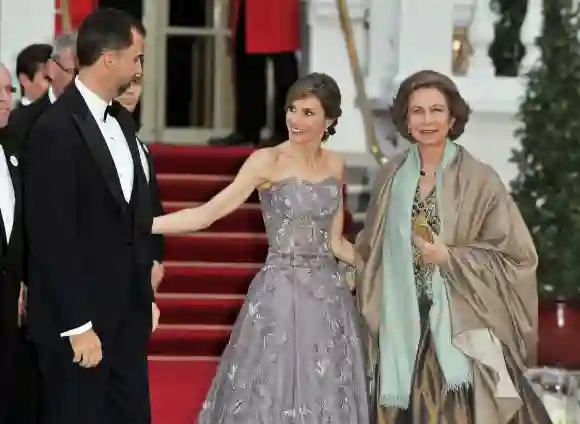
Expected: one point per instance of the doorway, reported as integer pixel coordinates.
(187, 84)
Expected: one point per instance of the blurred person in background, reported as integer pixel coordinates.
(31, 72)
(60, 70)
(129, 99)
(262, 31)
(13, 409)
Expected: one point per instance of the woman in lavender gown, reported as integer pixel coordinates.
(295, 352)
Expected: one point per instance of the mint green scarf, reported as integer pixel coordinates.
(400, 330)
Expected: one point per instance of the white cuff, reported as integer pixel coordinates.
(79, 330)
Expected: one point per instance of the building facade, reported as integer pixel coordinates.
(187, 55)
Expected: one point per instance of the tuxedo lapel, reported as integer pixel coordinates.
(142, 200)
(97, 145)
(126, 122)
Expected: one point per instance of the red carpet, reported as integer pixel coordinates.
(207, 276)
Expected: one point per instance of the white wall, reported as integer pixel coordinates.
(23, 22)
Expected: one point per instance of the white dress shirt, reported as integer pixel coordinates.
(120, 152)
(7, 197)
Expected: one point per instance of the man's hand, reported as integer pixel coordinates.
(22, 304)
(87, 349)
(157, 274)
(155, 314)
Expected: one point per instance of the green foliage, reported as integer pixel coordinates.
(507, 50)
(547, 189)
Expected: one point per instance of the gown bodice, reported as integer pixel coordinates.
(298, 216)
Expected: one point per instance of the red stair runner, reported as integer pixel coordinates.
(207, 276)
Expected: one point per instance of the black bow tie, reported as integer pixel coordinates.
(113, 110)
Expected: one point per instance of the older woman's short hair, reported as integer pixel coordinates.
(458, 107)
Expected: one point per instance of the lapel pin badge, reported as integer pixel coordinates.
(13, 160)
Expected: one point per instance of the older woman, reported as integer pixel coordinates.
(446, 276)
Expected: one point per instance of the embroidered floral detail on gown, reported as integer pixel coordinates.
(295, 354)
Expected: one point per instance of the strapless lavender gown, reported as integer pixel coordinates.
(295, 354)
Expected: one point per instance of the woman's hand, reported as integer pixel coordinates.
(432, 253)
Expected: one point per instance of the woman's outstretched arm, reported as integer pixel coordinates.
(251, 175)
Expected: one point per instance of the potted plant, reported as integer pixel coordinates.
(547, 189)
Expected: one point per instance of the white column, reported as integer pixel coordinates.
(23, 22)
(481, 34)
(328, 54)
(531, 30)
(425, 36)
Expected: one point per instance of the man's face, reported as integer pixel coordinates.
(7, 90)
(61, 70)
(126, 65)
(36, 87)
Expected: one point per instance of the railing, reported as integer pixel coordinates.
(474, 34)
(450, 36)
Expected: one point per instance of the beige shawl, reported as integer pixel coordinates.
(491, 277)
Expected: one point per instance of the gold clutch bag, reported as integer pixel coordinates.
(422, 228)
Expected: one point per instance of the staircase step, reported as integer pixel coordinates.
(208, 278)
(247, 218)
(198, 159)
(189, 340)
(212, 247)
(209, 310)
(193, 188)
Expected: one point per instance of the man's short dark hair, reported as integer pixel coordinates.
(105, 30)
(31, 58)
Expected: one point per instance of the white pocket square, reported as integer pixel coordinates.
(13, 160)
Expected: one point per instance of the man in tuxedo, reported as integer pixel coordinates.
(129, 99)
(60, 70)
(11, 258)
(88, 217)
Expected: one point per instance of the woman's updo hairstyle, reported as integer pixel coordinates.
(326, 90)
(458, 107)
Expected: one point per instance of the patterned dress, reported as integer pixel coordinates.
(295, 353)
(428, 403)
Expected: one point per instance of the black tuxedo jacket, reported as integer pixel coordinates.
(89, 250)
(156, 206)
(23, 118)
(11, 264)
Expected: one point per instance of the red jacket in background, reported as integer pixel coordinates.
(79, 11)
(272, 26)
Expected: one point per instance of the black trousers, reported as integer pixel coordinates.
(25, 400)
(251, 86)
(114, 392)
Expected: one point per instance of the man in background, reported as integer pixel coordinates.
(262, 31)
(11, 257)
(129, 99)
(60, 70)
(31, 72)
